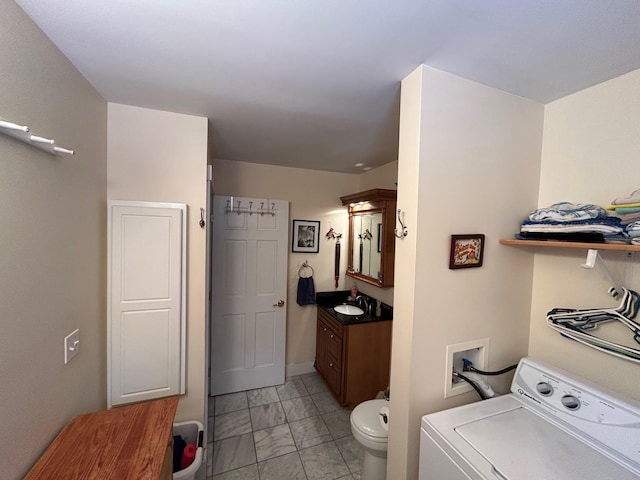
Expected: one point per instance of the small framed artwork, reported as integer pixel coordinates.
(306, 236)
(466, 251)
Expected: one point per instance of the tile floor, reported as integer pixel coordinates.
(295, 431)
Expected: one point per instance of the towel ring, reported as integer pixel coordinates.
(305, 265)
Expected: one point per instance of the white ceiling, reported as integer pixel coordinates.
(315, 83)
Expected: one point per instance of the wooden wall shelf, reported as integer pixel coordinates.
(580, 245)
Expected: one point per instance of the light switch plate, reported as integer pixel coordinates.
(71, 345)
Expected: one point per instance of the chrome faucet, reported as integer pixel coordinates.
(362, 303)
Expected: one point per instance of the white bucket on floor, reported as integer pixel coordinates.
(191, 432)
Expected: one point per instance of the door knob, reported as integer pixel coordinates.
(279, 304)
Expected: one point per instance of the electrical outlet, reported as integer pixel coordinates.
(71, 345)
(477, 351)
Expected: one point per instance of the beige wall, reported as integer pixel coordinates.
(590, 155)
(468, 163)
(157, 156)
(400, 451)
(53, 238)
(385, 176)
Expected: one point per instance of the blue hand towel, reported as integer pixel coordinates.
(306, 291)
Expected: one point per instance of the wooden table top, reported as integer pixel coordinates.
(126, 442)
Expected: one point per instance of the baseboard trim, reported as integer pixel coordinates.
(292, 369)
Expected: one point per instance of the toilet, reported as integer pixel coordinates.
(367, 428)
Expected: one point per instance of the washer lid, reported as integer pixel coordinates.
(365, 418)
(521, 445)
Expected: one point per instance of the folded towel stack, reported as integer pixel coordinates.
(567, 212)
(633, 198)
(573, 222)
(633, 230)
(627, 208)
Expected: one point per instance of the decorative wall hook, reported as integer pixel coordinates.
(331, 234)
(404, 231)
(24, 134)
(271, 212)
(239, 209)
(202, 222)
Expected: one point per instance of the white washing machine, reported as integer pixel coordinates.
(553, 426)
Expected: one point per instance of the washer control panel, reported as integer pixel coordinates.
(569, 401)
(557, 393)
(607, 419)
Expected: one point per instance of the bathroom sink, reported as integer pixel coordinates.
(348, 310)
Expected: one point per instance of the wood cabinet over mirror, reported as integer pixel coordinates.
(371, 247)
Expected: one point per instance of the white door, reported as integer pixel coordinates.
(146, 300)
(249, 286)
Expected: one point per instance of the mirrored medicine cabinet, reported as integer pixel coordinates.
(371, 247)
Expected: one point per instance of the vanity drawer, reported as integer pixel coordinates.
(336, 327)
(333, 346)
(332, 336)
(333, 374)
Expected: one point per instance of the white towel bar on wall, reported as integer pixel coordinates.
(24, 134)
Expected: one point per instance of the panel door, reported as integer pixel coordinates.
(146, 321)
(249, 290)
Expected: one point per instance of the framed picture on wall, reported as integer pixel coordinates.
(306, 236)
(466, 251)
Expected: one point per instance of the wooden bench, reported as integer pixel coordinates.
(131, 442)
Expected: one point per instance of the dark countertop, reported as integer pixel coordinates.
(327, 300)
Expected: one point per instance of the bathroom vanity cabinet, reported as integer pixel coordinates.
(353, 358)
